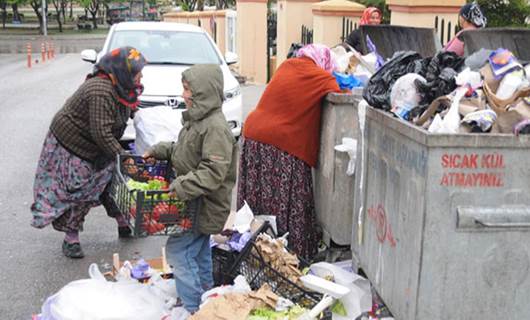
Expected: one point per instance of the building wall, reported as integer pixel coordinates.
(292, 14)
(252, 40)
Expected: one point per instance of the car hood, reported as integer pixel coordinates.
(165, 80)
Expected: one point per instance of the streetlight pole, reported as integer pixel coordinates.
(44, 25)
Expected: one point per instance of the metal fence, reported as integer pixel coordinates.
(272, 21)
(446, 30)
(306, 36)
(347, 27)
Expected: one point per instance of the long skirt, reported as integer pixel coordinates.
(273, 182)
(66, 187)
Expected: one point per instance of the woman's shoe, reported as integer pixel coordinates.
(124, 232)
(73, 250)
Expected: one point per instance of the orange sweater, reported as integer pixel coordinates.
(288, 113)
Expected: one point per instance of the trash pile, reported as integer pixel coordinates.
(239, 302)
(273, 287)
(488, 92)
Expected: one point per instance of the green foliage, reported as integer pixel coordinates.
(381, 4)
(505, 13)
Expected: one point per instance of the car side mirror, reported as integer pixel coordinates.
(231, 58)
(89, 55)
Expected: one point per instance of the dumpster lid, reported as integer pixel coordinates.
(390, 39)
(517, 40)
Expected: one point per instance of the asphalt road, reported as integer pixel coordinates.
(32, 264)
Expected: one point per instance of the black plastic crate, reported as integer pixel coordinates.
(258, 272)
(150, 212)
(226, 263)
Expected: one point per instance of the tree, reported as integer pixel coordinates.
(59, 5)
(93, 7)
(505, 13)
(16, 14)
(36, 6)
(3, 6)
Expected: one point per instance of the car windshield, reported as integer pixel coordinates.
(168, 47)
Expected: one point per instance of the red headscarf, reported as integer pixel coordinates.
(367, 13)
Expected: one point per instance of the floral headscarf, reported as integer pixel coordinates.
(472, 13)
(320, 54)
(121, 65)
(367, 14)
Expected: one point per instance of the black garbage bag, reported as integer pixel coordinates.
(441, 86)
(441, 61)
(377, 91)
(440, 74)
(293, 50)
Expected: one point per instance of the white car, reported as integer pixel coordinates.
(170, 48)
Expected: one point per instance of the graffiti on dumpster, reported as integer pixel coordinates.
(382, 226)
(473, 170)
(410, 157)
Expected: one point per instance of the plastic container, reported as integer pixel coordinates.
(258, 272)
(150, 212)
(226, 263)
(513, 39)
(390, 39)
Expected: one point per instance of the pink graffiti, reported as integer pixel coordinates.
(383, 229)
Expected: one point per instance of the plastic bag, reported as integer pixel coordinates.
(440, 75)
(240, 286)
(154, 125)
(404, 95)
(98, 299)
(349, 145)
(481, 120)
(377, 91)
(347, 81)
(451, 121)
(359, 299)
(342, 58)
(509, 84)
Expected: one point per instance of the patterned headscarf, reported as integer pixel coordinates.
(121, 65)
(320, 54)
(472, 13)
(367, 14)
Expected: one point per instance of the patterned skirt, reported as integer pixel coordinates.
(66, 187)
(274, 182)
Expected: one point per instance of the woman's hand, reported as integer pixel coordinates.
(148, 157)
(130, 166)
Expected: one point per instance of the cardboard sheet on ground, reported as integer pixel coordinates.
(236, 306)
(359, 299)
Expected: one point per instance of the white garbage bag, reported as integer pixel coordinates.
(98, 299)
(154, 125)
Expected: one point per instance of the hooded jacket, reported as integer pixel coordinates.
(204, 157)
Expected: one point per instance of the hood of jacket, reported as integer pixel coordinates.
(206, 84)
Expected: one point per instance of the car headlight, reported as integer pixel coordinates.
(232, 93)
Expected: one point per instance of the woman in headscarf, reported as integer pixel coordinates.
(469, 18)
(371, 16)
(77, 159)
(280, 146)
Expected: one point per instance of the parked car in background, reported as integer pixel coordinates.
(170, 48)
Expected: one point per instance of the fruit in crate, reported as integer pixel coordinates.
(164, 208)
(185, 223)
(151, 226)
